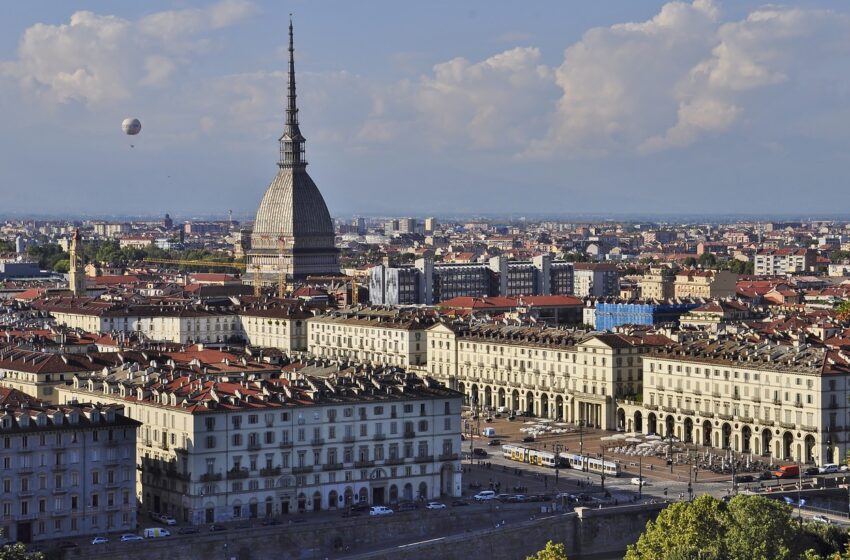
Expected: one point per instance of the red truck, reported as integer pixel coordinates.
(787, 471)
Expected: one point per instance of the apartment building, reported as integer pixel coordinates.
(215, 450)
(779, 262)
(596, 280)
(371, 335)
(658, 283)
(772, 397)
(68, 471)
(184, 324)
(706, 284)
(275, 326)
(562, 374)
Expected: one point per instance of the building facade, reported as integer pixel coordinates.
(68, 471)
(217, 450)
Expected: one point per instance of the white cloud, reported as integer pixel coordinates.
(101, 58)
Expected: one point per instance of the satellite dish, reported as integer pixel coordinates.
(131, 126)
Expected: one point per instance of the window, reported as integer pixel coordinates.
(236, 421)
(210, 424)
(253, 418)
(210, 442)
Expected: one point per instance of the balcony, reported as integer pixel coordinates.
(651, 406)
(788, 425)
(715, 394)
(766, 422)
(670, 409)
(687, 411)
(285, 445)
(364, 463)
(28, 469)
(798, 404)
(332, 467)
(424, 459)
(707, 414)
(678, 390)
(211, 477)
(302, 470)
(253, 446)
(448, 457)
(809, 428)
(745, 419)
(727, 417)
(777, 402)
(379, 437)
(697, 392)
(756, 398)
(237, 474)
(347, 439)
(659, 387)
(270, 471)
(394, 461)
(736, 397)
(317, 442)
(409, 434)
(25, 494)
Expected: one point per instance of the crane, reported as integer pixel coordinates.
(257, 281)
(355, 285)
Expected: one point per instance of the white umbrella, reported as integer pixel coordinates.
(529, 422)
(633, 440)
(653, 437)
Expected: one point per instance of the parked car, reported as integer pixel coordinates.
(167, 519)
(380, 510)
(156, 532)
(811, 471)
(766, 475)
(484, 496)
(528, 439)
(494, 442)
(188, 530)
(821, 519)
(480, 453)
(502, 409)
(637, 481)
(744, 478)
(100, 540)
(828, 469)
(406, 506)
(129, 537)
(215, 528)
(435, 505)
(361, 507)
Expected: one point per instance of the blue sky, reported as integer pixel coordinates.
(429, 108)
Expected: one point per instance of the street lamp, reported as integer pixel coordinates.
(640, 477)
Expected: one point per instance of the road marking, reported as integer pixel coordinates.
(421, 542)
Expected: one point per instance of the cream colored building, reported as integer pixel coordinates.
(220, 450)
(283, 328)
(658, 283)
(551, 373)
(706, 284)
(770, 398)
(371, 335)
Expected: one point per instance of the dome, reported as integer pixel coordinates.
(293, 209)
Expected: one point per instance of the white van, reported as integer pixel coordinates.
(156, 532)
(489, 432)
(484, 496)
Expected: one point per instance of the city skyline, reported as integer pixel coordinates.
(661, 108)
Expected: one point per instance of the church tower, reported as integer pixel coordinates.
(76, 274)
(293, 230)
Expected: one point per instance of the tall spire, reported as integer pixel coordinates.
(292, 141)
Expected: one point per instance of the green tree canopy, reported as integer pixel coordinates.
(747, 528)
(62, 266)
(18, 551)
(552, 551)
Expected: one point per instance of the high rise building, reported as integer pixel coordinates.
(293, 228)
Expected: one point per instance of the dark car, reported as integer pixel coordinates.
(766, 475)
(188, 530)
(406, 506)
(494, 442)
(810, 471)
(360, 508)
(214, 528)
(744, 478)
(528, 439)
(479, 452)
(459, 503)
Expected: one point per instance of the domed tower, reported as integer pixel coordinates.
(293, 229)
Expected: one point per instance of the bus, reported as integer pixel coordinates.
(592, 464)
(533, 456)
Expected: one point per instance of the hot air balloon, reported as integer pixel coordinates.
(131, 127)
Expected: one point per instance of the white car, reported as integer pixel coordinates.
(435, 505)
(484, 496)
(131, 537)
(820, 519)
(638, 482)
(99, 540)
(828, 469)
(380, 510)
(167, 519)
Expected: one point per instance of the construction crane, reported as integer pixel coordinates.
(201, 263)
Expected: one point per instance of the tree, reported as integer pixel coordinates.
(552, 551)
(690, 261)
(62, 266)
(747, 528)
(843, 310)
(707, 260)
(18, 551)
